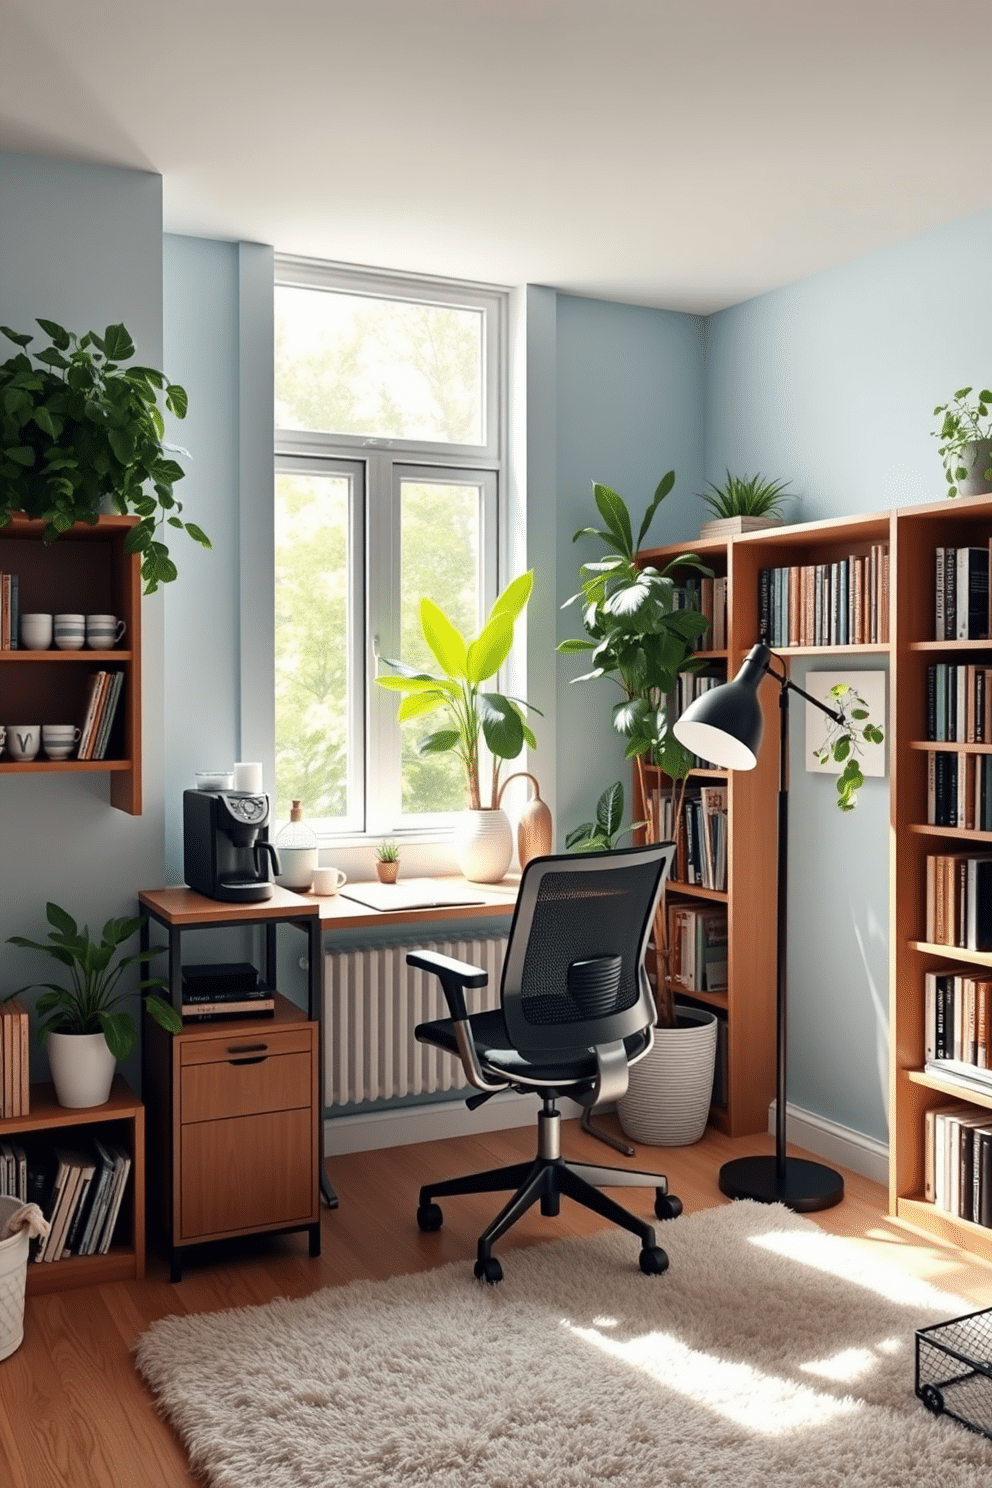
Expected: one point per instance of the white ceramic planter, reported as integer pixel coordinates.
(82, 1068)
(668, 1098)
(976, 458)
(13, 1275)
(483, 845)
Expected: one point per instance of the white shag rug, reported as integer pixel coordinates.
(770, 1354)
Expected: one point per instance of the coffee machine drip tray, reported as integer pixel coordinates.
(242, 890)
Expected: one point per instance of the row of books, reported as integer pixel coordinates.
(957, 1021)
(697, 947)
(961, 603)
(959, 900)
(217, 990)
(957, 1163)
(959, 703)
(103, 695)
(959, 790)
(701, 840)
(688, 687)
(79, 1189)
(843, 603)
(9, 612)
(14, 1059)
(709, 596)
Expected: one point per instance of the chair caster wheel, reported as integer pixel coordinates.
(666, 1206)
(489, 1270)
(429, 1217)
(654, 1261)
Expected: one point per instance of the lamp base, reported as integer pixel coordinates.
(799, 1185)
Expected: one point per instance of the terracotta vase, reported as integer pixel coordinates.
(534, 824)
(387, 872)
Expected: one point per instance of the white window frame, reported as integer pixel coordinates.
(385, 464)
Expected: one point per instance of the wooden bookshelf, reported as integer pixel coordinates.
(86, 571)
(122, 1117)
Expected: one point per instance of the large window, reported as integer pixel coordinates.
(389, 431)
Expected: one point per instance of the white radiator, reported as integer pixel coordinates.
(372, 1003)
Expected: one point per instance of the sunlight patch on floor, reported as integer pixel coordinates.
(849, 1365)
(767, 1405)
(820, 1251)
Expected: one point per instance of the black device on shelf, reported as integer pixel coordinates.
(227, 854)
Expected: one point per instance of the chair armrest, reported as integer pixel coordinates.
(454, 977)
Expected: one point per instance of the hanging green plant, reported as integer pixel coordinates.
(77, 427)
(843, 741)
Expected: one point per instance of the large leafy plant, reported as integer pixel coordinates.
(90, 1003)
(474, 716)
(603, 834)
(964, 421)
(77, 426)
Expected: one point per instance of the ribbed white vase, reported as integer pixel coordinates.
(483, 845)
(667, 1103)
(82, 1068)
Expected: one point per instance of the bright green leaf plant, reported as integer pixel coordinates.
(745, 496)
(963, 421)
(474, 716)
(77, 426)
(844, 739)
(91, 1002)
(603, 834)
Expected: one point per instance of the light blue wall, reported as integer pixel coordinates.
(630, 402)
(82, 245)
(832, 383)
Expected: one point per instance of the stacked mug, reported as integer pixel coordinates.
(71, 632)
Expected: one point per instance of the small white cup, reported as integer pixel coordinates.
(248, 777)
(23, 740)
(104, 631)
(58, 740)
(70, 632)
(328, 880)
(36, 632)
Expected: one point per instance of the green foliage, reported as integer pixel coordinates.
(963, 421)
(745, 496)
(88, 1004)
(472, 715)
(637, 636)
(602, 834)
(843, 742)
(76, 426)
(387, 852)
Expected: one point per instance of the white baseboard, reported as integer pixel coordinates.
(398, 1128)
(836, 1143)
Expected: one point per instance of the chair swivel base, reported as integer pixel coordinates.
(547, 1179)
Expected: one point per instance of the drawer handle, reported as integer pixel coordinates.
(247, 1048)
(258, 1059)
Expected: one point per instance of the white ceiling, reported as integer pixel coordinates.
(682, 153)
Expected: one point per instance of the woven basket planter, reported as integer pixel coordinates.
(667, 1103)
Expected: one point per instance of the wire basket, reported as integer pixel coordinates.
(954, 1370)
(13, 1276)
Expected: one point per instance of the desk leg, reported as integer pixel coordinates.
(315, 983)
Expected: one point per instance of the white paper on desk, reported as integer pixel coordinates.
(412, 893)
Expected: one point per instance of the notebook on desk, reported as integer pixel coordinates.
(411, 893)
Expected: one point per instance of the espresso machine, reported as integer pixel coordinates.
(226, 849)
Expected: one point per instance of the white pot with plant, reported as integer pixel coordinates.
(82, 1022)
(743, 503)
(475, 717)
(965, 435)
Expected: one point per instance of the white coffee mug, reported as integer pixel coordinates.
(299, 864)
(328, 880)
(70, 632)
(104, 631)
(23, 740)
(36, 632)
(58, 740)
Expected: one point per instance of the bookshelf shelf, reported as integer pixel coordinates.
(696, 891)
(957, 834)
(712, 999)
(875, 649)
(940, 746)
(952, 953)
(949, 646)
(951, 1087)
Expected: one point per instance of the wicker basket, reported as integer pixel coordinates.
(13, 1276)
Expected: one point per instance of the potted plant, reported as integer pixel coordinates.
(603, 834)
(85, 1029)
(965, 435)
(484, 841)
(743, 503)
(78, 429)
(387, 862)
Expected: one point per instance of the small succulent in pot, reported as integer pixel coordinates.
(387, 862)
(745, 496)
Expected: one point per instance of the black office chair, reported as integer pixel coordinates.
(577, 1012)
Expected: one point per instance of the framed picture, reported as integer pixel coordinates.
(863, 693)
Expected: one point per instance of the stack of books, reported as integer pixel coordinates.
(102, 697)
(959, 791)
(14, 1059)
(80, 1191)
(958, 1162)
(959, 900)
(697, 940)
(961, 608)
(959, 703)
(225, 990)
(843, 603)
(9, 612)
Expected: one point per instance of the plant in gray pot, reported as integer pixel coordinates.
(965, 435)
(82, 1022)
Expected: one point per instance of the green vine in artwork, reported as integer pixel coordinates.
(843, 741)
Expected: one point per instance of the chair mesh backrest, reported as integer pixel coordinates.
(576, 909)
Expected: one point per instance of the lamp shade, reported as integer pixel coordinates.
(725, 724)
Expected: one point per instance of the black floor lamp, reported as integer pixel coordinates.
(725, 726)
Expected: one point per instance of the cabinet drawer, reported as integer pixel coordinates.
(223, 1047)
(211, 1092)
(248, 1173)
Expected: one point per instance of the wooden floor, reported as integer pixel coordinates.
(74, 1412)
